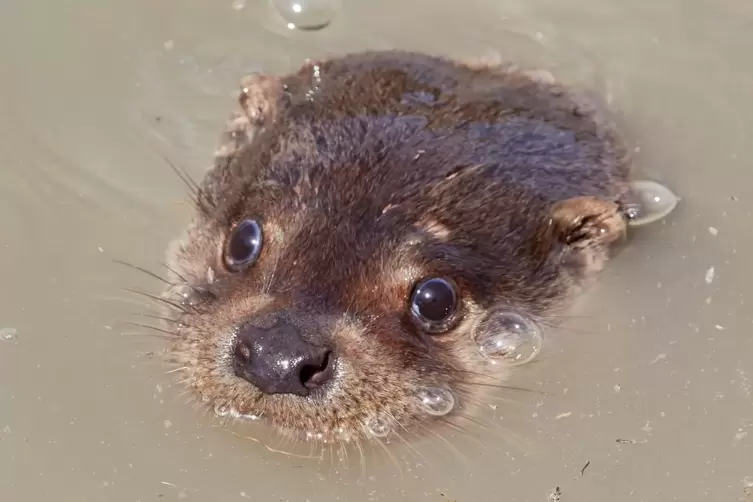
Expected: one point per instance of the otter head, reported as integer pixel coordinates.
(339, 270)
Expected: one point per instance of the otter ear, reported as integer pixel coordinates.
(259, 98)
(587, 221)
(586, 227)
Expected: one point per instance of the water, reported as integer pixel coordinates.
(644, 395)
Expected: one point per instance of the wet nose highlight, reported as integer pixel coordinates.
(278, 360)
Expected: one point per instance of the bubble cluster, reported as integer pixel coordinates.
(652, 202)
(436, 401)
(508, 337)
(378, 427)
(306, 14)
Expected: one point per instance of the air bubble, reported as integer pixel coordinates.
(306, 14)
(378, 427)
(8, 334)
(221, 409)
(509, 337)
(650, 202)
(436, 401)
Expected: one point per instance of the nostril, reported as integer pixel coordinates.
(242, 352)
(318, 370)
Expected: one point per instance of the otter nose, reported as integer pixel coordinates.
(278, 360)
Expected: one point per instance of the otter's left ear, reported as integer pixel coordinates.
(587, 221)
(586, 227)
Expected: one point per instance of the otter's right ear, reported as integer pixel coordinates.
(584, 228)
(260, 99)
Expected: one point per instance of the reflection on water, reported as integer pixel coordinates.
(644, 395)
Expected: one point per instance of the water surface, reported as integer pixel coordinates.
(644, 396)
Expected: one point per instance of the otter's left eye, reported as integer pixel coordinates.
(244, 245)
(434, 303)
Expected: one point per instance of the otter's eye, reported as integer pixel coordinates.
(244, 245)
(434, 303)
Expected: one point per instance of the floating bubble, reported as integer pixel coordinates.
(306, 14)
(239, 4)
(436, 401)
(508, 336)
(378, 427)
(650, 202)
(8, 334)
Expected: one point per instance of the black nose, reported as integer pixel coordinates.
(278, 360)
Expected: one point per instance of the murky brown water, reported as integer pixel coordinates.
(646, 396)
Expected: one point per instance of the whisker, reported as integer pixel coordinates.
(199, 289)
(457, 453)
(142, 269)
(362, 456)
(159, 317)
(146, 335)
(147, 326)
(139, 302)
(503, 387)
(168, 267)
(407, 443)
(194, 191)
(482, 403)
(158, 299)
(392, 457)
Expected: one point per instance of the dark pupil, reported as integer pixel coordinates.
(245, 243)
(434, 300)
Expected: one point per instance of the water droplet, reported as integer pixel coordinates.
(306, 14)
(649, 202)
(436, 401)
(508, 336)
(8, 334)
(221, 409)
(378, 427)
(342, 435)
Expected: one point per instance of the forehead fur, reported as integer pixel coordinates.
(349, 195)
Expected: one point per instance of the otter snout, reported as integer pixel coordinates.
(277, 360)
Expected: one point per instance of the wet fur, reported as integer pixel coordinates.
(370, 172)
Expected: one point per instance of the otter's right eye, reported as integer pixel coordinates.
(244, 245)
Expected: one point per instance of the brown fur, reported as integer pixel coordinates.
(370, 172)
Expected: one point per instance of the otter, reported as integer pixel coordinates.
(364, 215)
